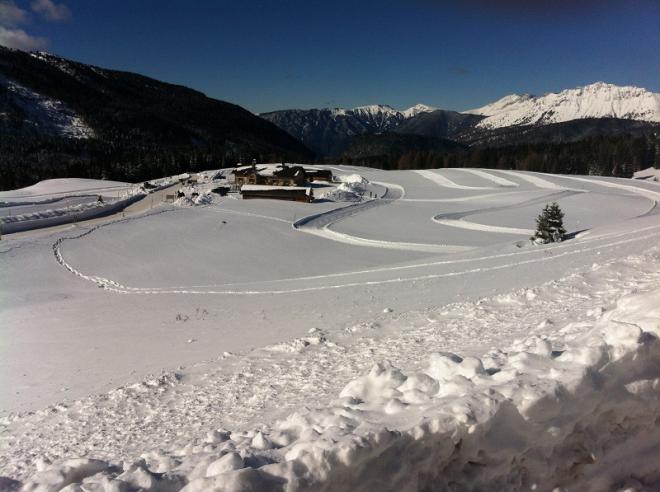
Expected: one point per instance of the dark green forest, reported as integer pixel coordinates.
(602, 155)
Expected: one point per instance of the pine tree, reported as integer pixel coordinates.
(550, 225)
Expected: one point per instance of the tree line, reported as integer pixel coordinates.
(603, 155)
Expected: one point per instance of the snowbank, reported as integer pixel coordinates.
(578, 411)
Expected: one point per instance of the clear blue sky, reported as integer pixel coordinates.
(278, 54)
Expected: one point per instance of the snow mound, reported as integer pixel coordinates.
(649, 174)
(579, 411)
(194, 200)
(352, 188)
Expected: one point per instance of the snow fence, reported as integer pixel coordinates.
(581, 415)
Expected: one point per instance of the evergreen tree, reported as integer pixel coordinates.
(550, 225)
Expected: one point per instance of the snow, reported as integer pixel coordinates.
(241, 343)
(649, 174)
(417, 109)
(56, 188)
(384, 111)
(598, 100)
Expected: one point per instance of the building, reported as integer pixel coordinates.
(291, 193)
(318, 175)
(287, 176)
(248, 176)
(282, 175)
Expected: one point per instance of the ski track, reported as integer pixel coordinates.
(456, 219)
(535, 180)
(474, 226)
(113, 286)
(446, 182)
(651, 195)
(490, 177)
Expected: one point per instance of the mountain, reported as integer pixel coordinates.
(59, 117)
(329, 131)
(439, 124)
(390, 144)
(599, 100)
(558, 133)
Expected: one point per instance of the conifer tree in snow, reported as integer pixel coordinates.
(550, 225)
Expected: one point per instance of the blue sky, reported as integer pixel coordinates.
(278, 54)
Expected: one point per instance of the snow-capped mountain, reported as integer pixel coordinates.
(599, 100)
(329, 130)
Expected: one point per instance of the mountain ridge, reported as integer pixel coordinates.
(597, 100)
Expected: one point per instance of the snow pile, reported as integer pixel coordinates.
(352, 188)
(194, 201)
(193, 198)
(577, 410)
(599, 100)
(649, 174)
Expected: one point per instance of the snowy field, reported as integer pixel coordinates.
(218, 343)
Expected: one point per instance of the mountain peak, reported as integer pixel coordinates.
(597, 100)
(417, 109)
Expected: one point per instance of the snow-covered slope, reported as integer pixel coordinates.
(43, 114)
(321, 357)
(599, 100)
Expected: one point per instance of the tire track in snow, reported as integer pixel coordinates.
(489, 177)
(441, 180)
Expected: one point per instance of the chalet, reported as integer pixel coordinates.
(292, 193)
(287, 176)
(248, 176)
(318, 175)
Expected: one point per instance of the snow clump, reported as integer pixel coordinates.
(533, 418)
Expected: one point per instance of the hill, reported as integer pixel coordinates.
(63, 118)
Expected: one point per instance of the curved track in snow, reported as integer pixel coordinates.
(319, 225)
(456, 219)
(538, 255)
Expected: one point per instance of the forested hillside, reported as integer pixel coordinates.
(63, 118)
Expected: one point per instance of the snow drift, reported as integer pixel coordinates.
(578, 411)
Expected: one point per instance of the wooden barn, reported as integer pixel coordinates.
(291, 193)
